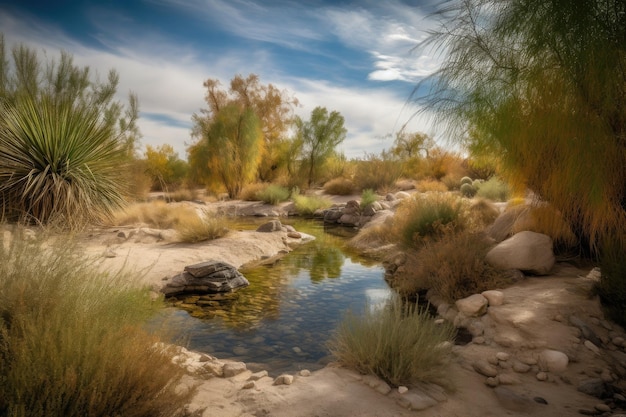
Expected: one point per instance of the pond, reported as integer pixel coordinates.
(282, 321)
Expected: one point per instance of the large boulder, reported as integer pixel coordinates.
(527, 251)
(206, 277)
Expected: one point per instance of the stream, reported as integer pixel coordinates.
(282, 321)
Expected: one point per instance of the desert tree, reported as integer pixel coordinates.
(541, 84)
(272, 107)
(317, 139)
(64, 139)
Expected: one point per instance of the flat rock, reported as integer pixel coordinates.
(232, 369)
(526, 251)
(495, 298)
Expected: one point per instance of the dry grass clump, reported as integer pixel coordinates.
(73, 342)
(399, 343)
(194, 227)
(273, 194)
(373, 241)
(339, 186)
(307, 205)
(157, 214)
(250, 192)
(430, 184)
(455, 266)
(379, 173)
(482, 213)
(183, 194)
(426, 217)
(547, 220)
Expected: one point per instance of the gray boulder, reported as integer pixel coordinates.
(206, 277)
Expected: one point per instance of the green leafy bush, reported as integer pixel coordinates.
(494, 189)
(307, 205)
(399, 343)
(428, 216)
(73, 341)
(273, 194)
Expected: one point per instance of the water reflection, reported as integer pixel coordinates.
(282, 320)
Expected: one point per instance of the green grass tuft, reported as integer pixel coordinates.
(273, 194)
(308, 205)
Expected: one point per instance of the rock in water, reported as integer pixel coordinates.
(206, 277)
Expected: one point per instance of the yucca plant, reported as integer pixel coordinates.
(59, 162)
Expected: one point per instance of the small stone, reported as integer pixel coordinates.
(473, 306)
(540, 400)
(618, 341)
(258, 375)
(587, 412)
(249, 385)
(508, 379)
(284, 379)
(492, 382)
(296, 349)
(520, 367)
(233, 368)
(602, 407)
(383, 388)
(542, 376)
(503, 356)
(595, 387)
(495, 298)
(553, 360)
(589, 345)
(294, 235)
(493, 360)
(402, 389)
(485, 368)
(479, 340)
(416, 401)
(305, 373)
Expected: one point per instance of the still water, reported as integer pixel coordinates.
(282, 321)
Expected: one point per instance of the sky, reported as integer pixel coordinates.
(356, 57)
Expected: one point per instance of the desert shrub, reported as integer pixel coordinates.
(339, 186)
(451, 182)
(73, 339)
(427, 217)
(466, 180)
(482, 213)
(371, 241)
(455, 266)
(183, 194)
(250, 192)
(612, 285)
(493, 189)
(157, 214)
(427, 185)
(378, 172)
(368, 197)
(194, 227)
(307, 205)
(399, 343)
(273, 194)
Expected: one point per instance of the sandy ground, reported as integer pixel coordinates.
(533, 317)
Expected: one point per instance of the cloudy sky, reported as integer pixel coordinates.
(356, 57)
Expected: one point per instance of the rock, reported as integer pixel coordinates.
(513, 401)
(401, 195)
(508, 379)
(332, 215)
(476, 328)
(369, 210)
(603, 408)
(520, 367)
(206, 277)
(526, 251)
(495, 298)
(294, 235)
(492, 382)
(589, 345)
(249, 385)
(595, 387)
(618, 341)
(271, 226)
(485, 368)
(258, 375)
(585, 330)
(304, 373)
(416, 401)
(503, 356)
(402, 389)
(349, 220)
(553, 361)
(541, 376)
(231, 369)
(383, 388)
(284, 379)
(473, 306)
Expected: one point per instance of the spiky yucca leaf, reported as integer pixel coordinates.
(59, 162)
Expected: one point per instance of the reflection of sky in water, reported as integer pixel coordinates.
(284, 318)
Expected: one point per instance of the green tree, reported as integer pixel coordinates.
(272, 107)
(233, 144)
(317, 139)
(542, 84)
(164, 166)
(412, 145)
(63, 140)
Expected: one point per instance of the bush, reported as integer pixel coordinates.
(308, 205)
(273, 194)
(612, 285)
(379, 173)
(482, 213)
(73, 341)
(157, 214)
(429, 216)
(493, 189)
(466, 180)
(467, 190)
(339, 186)
(455, 266)
(194, 228)
(431, 185)
(251, 192)
(368, 197)
(182, 195)
(399, 343)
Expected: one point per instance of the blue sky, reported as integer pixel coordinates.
(356, 57)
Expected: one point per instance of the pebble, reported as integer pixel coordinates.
(618, 341)
(416, 401)
(479, 340)
(520, 367)
(602, 407)
(284, 379)
(492, 382)
(258, 375)
(249, 385)
(503, 356)
(296, 349)
(305, 373)
(542, 376)
(589, 345)
(402, 389)
(508, 379)
(233, 368)
(484, 368)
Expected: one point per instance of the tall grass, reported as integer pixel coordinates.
(59, 162)
(197, 227)
(72, 341)
(368, 197)
(339, 186)
(399, 343)
(429, 216)
(307, 205)
(273, 194)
